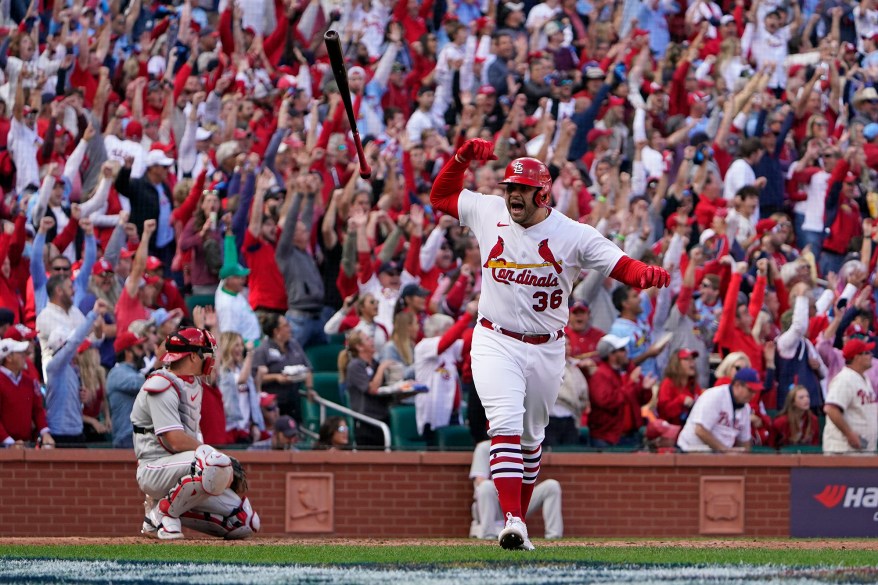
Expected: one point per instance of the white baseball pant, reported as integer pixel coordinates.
(517, 383)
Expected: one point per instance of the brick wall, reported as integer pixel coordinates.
(75, 492)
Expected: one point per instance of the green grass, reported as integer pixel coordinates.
(428, 554)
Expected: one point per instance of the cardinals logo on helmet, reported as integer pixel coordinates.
(518, 167)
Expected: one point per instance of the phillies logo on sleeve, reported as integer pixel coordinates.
(508, 272)
(517, 167)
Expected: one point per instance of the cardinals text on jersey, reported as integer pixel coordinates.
(527, 274)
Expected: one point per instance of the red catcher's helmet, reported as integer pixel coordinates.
(191, 340)
(531, 172)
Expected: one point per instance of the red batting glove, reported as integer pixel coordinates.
(475, 149)
(655, 276)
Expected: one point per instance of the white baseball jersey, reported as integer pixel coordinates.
(439, 372)
(715, 412)
(854, 395)
(528, 273)
(166, 402)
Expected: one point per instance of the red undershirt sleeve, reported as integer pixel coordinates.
(447, 187)
(628, 271)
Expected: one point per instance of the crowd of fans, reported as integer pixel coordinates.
(174, 162)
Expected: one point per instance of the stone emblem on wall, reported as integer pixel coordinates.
(310, 499)
(722, 505)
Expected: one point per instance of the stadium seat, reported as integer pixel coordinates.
(193, 301)
(326, 385)
(763, 449)
(335, 339)
(579, 448)
(404, 429)
(311, 416)
(455, 438)
(324, 358)
(804, 449)
(584, 436)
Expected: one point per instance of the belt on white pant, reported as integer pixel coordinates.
(535, 339)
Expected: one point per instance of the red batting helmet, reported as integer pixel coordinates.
(191, 340)
(531, 172)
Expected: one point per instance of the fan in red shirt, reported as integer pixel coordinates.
(268, 292)
(22, 416)
(617, 391)
(583, 337)
(680, 387)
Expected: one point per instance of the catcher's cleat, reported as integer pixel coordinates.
(157, 524)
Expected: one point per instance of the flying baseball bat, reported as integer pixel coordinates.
(333, 48)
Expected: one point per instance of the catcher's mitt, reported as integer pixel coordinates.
(239, 477)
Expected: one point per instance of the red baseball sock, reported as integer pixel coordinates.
(506, 471)
(531, 460)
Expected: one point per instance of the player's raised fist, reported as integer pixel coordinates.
(655, 276)
(476, 149)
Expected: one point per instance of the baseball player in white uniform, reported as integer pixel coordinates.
(720, 419)
(531, 256)
(852, 404)
(185, 481)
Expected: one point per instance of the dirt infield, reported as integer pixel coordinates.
(706, 543)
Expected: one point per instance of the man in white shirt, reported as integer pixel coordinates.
(23, 142)
(233, 310)
(119, 148)
(852, 404)
(720, 419)
(421, 118)
(60, 312)
(740, 173)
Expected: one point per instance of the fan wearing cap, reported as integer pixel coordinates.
(720, 419)
(169, 296)
(63, 402)
(140, 290)
(126, 142)
(842, 218)
(123, 384)
(852, 403)
(22, 416)
(233, 310)
(581, 335)
(284, 436)
(617, 390)
(150, 198)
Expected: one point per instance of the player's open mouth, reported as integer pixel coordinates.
(516, 206)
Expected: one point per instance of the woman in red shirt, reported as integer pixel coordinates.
(93, 382)
(679, 388)
(796, 424)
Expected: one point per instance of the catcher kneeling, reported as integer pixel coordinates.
(186, 482)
